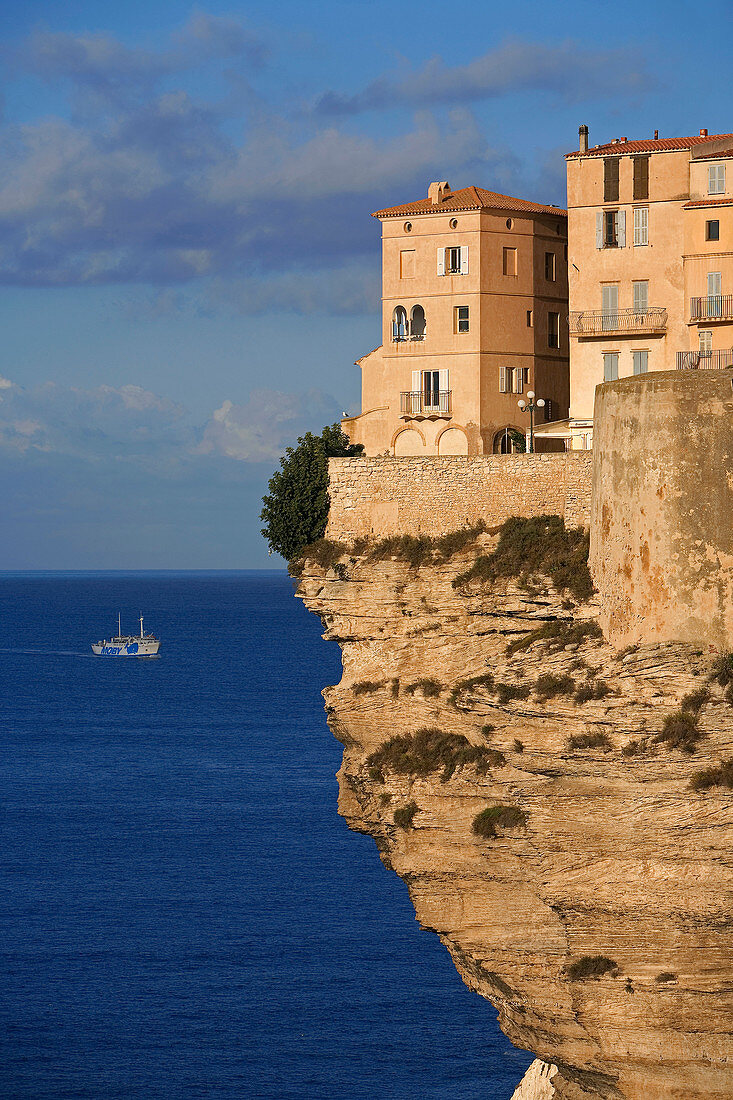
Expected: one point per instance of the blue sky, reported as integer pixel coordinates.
(188, 265)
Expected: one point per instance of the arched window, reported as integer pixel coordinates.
(399, 323)
(509, 441)
(417, 323)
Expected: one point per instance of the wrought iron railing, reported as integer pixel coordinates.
(599, 322)
(405, 337)
(715, 307)
(704, 360)
(422, 403)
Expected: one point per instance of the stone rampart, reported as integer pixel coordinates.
(662, 522)
(393, 496)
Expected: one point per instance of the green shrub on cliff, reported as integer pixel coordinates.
(404, 815)
(296, 508)
(720, 776)
(681, 730)
(486, 823)
(428, 750)
(591, 966)
(538, 545)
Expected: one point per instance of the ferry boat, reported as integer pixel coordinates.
(127, 645)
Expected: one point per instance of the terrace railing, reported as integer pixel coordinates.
(599, 322)
(704, 360)
(421, 403)
(715, 307)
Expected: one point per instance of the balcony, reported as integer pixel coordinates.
(407, 338)
(621, 322)
(715, 307)
(704, 360)
(419, 405)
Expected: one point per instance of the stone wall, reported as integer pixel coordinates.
(662, 524)
(393, 496)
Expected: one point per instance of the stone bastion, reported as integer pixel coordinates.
(662, 508)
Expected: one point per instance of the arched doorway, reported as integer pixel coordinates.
(509, 441)
(417, 322)
(399, 323)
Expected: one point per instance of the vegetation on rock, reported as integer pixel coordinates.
(430, 688)
(365, 687)
(558, 634)
(427, 750)
(681, 730)
(506, 692)
(720, 776)
(590, 966)
(405, 814)
(592, 689)
(590, 741)
(487, 821)
(537, 546)
(296, 508)
(485, 679)
(549, 685)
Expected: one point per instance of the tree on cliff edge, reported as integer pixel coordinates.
(296, 509)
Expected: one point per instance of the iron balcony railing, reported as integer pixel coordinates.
(704, 360)
(404, 337)
(599, 322)
(715, 307)
(430, 403)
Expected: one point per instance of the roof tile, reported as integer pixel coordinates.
(469, 198)
(653, 145)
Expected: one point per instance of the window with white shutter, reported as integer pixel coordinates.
(641, 361)
(518, 380)
(715, 294)
(621, 229)
(504, 386)
(716, 179)
(463, 266)
(441, 261)
(599, 229)
(610, 366)
(641, 297)
(705, 342)
(641, 225)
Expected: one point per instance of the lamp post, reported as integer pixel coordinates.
(530, 408)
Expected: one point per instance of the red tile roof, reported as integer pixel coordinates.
(707, 202)
(469, 198)
(716, 156)
(653, 145)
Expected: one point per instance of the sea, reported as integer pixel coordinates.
(183, 914)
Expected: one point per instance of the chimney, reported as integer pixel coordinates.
(656, 135)
(703, 133)
(583, 139)
(438, 191)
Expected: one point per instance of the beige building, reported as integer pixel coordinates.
(650, 228)
(474, 315)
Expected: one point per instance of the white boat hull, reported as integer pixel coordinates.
(133, 647)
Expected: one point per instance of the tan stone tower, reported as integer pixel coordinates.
(474, 314)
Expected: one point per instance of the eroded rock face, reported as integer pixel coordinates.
(618, 859)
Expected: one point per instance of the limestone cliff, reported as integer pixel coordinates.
(595, 913)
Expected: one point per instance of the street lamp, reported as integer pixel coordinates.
(530, 408)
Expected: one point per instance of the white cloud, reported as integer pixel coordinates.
(260, 430)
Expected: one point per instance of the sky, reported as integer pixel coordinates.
(188, 265)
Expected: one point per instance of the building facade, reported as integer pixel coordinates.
(650, 229)
(474, 315)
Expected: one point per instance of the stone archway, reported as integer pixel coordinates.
(409, 441)
(452, 441)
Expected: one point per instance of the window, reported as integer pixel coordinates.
(610, 179)
(715, 294)
(641, 297)
(641, 178)
(550, 266)
(716, 179)
(712, 231)
(417, 323)
(705, 343)
(505, 379)
(431, 389)
(530, 319)
(553, 330)
(548, 410)
(460, 319)
(610, 229)
(407, 263)
(520, 375)
(399, 323)
(610, 366)
(453, 260)
(641, 225)
(609, 306)
(510, 261)
(641, 361)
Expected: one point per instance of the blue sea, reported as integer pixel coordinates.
(182, 912)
